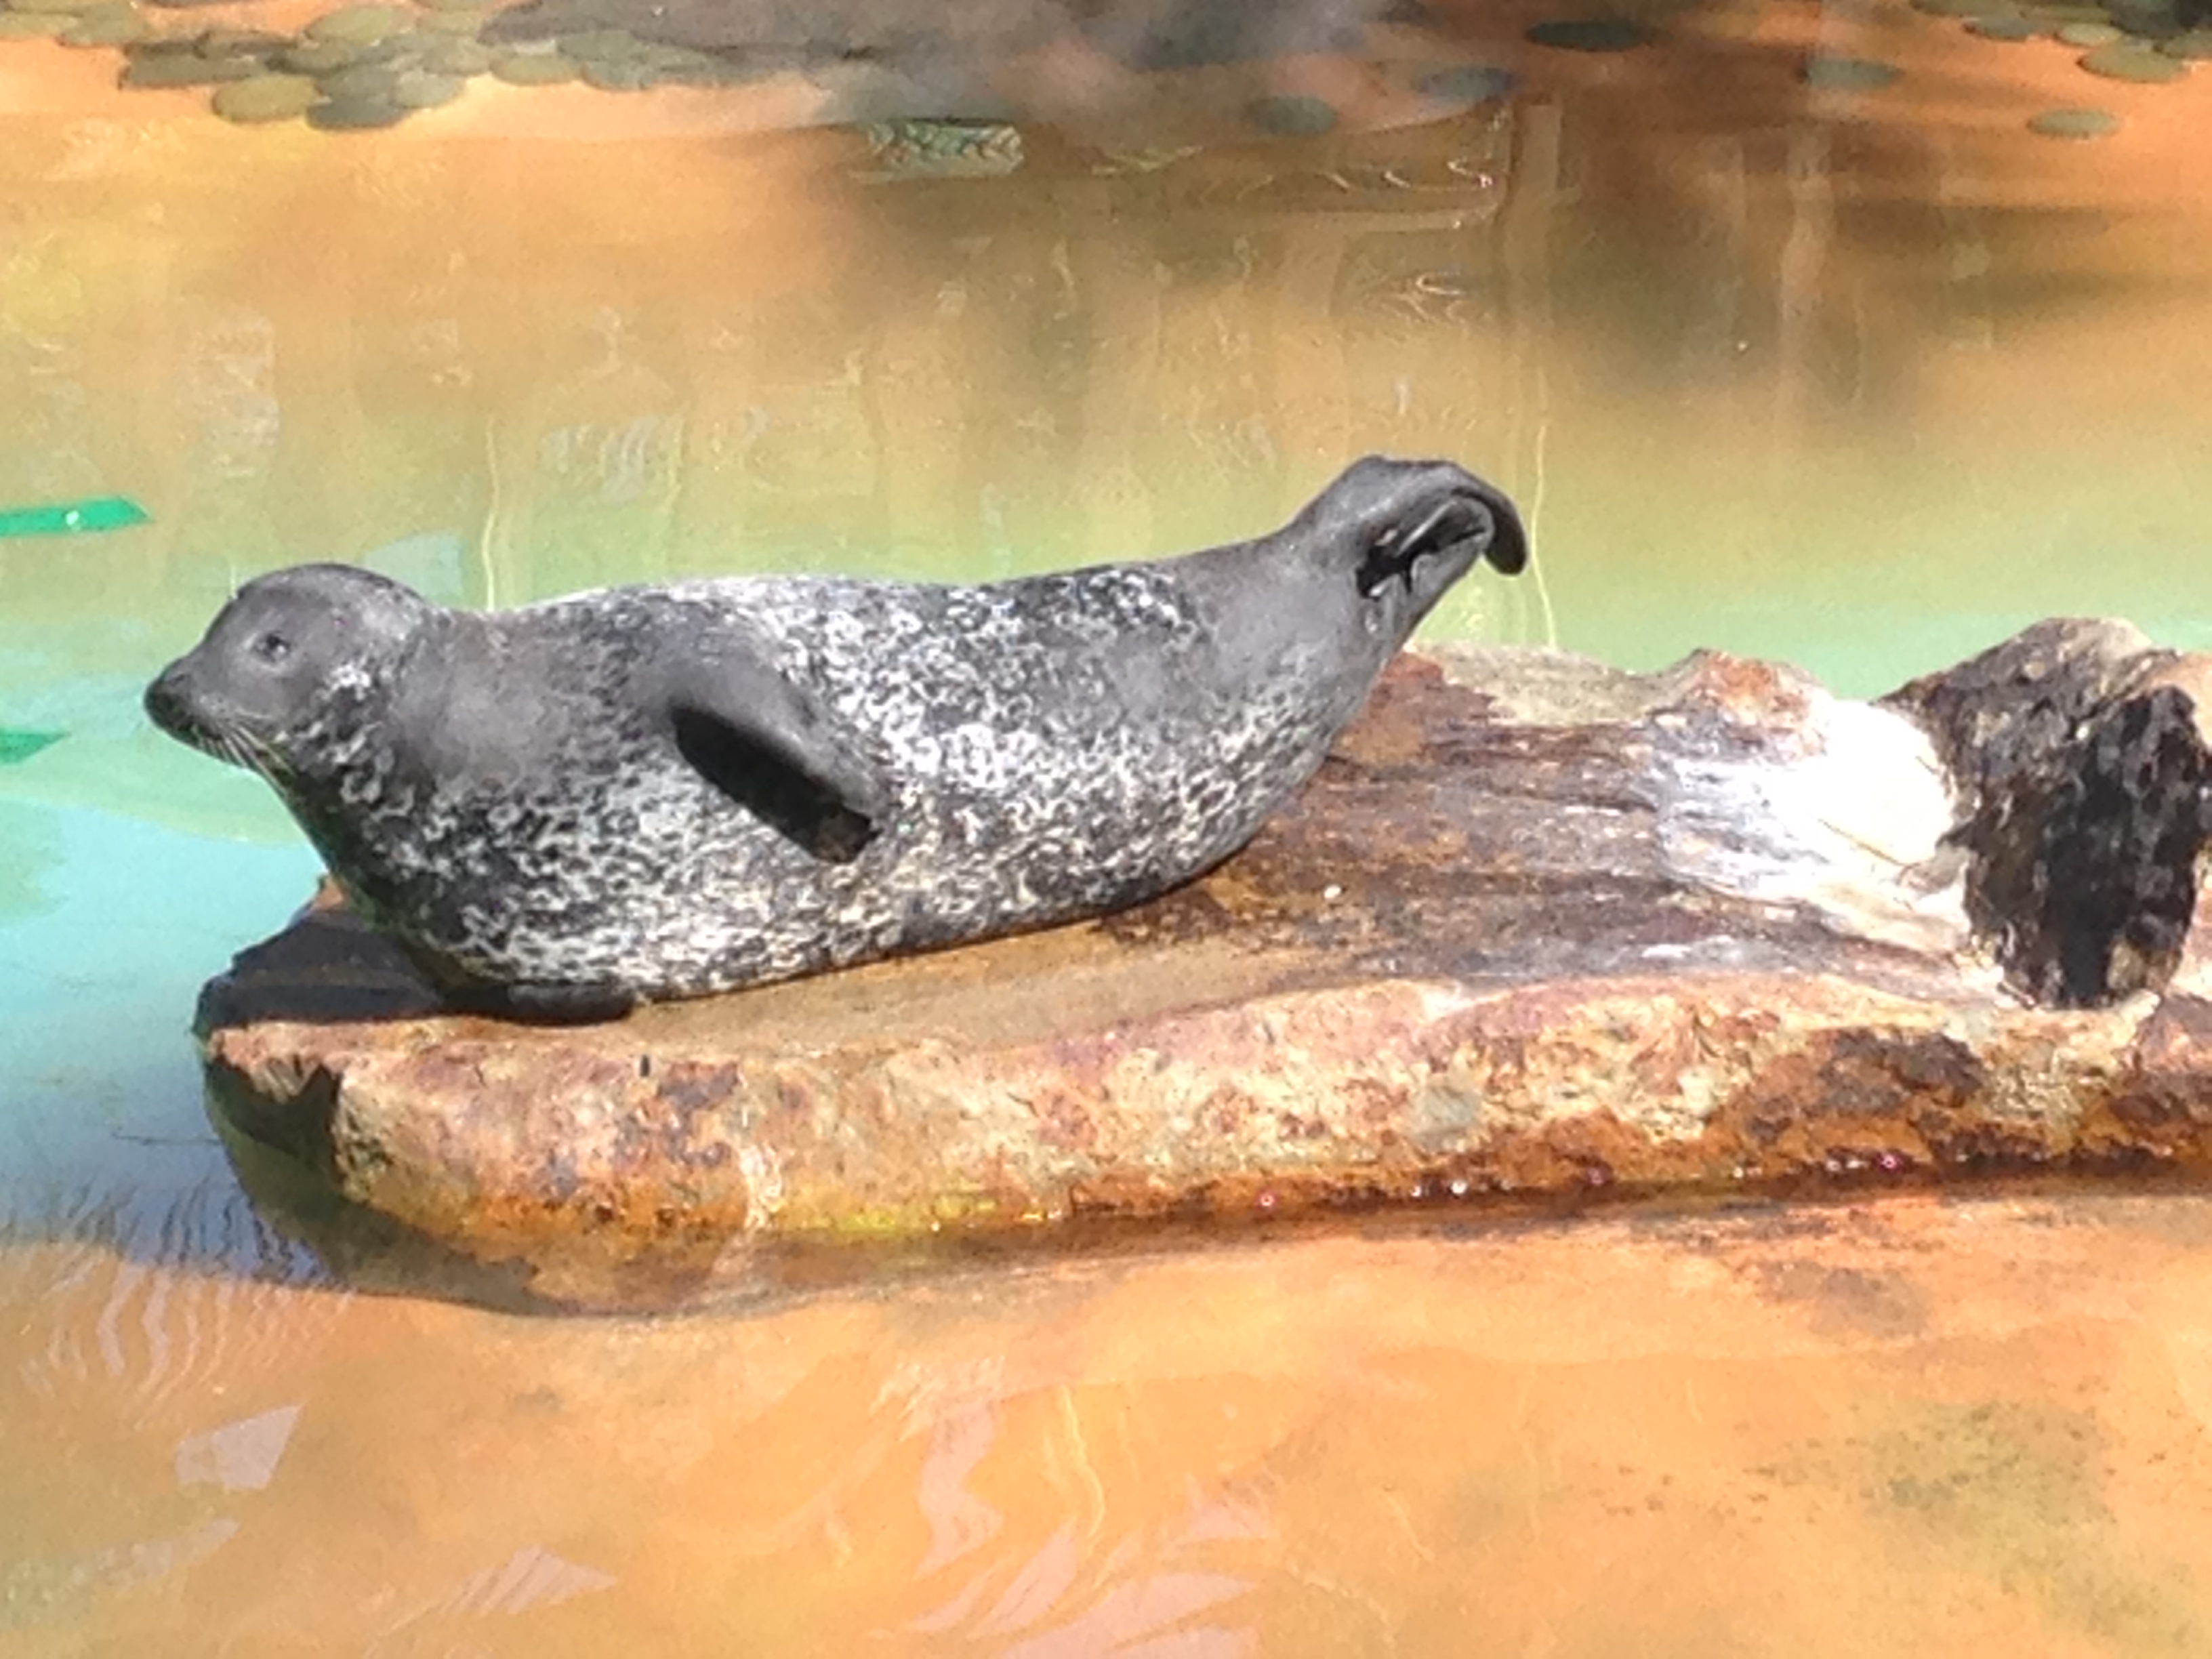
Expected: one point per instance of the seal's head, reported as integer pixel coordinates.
(1410, 529)
(286, 655)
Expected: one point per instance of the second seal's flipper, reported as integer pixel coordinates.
(769, 746)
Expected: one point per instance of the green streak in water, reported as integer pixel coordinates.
(72, 518)
(17, 746)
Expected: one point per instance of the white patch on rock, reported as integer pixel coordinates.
(1849, 822)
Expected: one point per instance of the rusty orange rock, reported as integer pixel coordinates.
(1538, 927)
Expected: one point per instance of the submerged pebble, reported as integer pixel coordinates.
(461, 24)
(2193, 47)
(2147, 20)
(1965, 8)
(1470, 83)
(2134, 61)
(680, 67)
(360, 83)
(421, 89)
(602, 46)
(620, 74)
(107, 26)
(359, 23)
(1592, 34)
(184, 68)
(457, 57)
(354, 114)
(2075, 122)
(534, 69)
(31, 25)
(1849, 74)
(2010, 29)
(47, 8)
(1291, 115)
(326, 57)
(241, 43)
(265, 98)
(2089, 34)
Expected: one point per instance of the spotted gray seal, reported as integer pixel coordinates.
(658, 792)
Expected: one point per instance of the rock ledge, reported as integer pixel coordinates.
(1538, 928)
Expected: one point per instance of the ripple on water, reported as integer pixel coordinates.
(148, 1303)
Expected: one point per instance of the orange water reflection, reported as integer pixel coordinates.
(1860, 380)
(1973, 1427)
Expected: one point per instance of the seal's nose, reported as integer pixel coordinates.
(168, 700)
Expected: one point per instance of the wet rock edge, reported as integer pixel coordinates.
(1479, 1018)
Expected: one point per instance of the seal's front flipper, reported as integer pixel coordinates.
(769, 746)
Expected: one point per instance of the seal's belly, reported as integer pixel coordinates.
(1054, 749)
(990, 830)
(670, 887)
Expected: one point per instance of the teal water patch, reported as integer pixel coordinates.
(72, 518)
(435, 564)
(18, 746)
(104, 940)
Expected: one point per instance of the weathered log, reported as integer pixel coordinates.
(1538, 926)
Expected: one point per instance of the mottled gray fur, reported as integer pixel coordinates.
(659, 792)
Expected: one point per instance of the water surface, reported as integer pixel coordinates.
(1863, 377)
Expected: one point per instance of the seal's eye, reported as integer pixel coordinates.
(272, 647)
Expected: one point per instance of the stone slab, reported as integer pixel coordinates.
(1539, 929)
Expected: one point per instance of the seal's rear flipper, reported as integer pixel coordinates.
(771, 748)
(1468, 521)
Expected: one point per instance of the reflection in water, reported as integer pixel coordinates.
(1780, 355)
(1987, 1418)
(29, 850)
(152, 1297)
